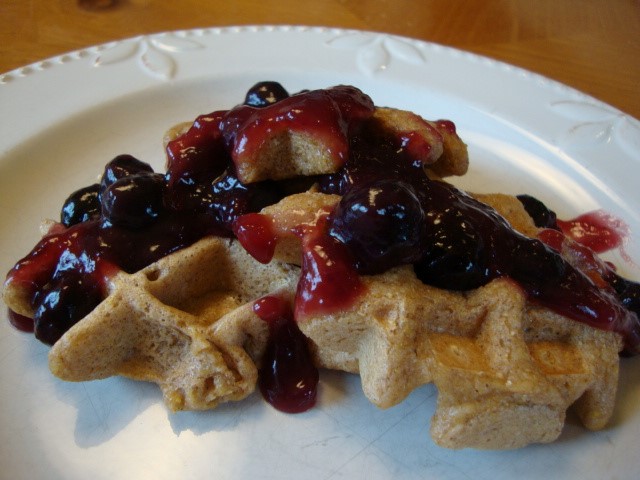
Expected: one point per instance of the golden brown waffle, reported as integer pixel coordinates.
(184, 322)
(292, 154)
(506, 369)
(499, 386)
(447, 153)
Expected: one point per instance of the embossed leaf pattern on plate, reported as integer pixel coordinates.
(596, 125)
(154, 53)
(374, 53)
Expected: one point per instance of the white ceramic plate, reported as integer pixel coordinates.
(63, 118)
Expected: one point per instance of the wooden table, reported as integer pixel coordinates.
(592, 45)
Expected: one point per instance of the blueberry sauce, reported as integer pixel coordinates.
(597, 230)
(197, 157)
(135, 216)
(288, 378)
(461, 243)
(603, 276)
(255, 233)
(328, 280)
(123, 166)
(330, 115)
(81, 206)
(390, 214)
(382, 222)
(541, 215)
(66, 273)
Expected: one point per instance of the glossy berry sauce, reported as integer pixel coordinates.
(458, 243)
(330, 115)
(597, 230)
(578, 240)
(390, 214)
(135, 216)
(329, 281)
(288, 378)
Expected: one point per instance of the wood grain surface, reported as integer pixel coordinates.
(592, 45)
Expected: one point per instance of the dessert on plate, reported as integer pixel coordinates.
(298, 232)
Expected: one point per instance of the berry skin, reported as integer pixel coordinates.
(538, 211)
(81, 206)
(382, 222)
(197, 156)
(134, 201)
(263, 94)
(454, 261)
(65, 301)
(122, 166)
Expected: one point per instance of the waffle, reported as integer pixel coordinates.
(184, 322)
(506, 369)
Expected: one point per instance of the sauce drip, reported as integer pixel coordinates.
(288, 378)
(135, 216)
(328, 281)
(255, 233)
(20, 322)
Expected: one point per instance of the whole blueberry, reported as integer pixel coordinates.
(135, 201)
(542, 216)
(123, 166)
(64, 301)
(263, 94)
(455, 259)
(81, 206)
(382, 222)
